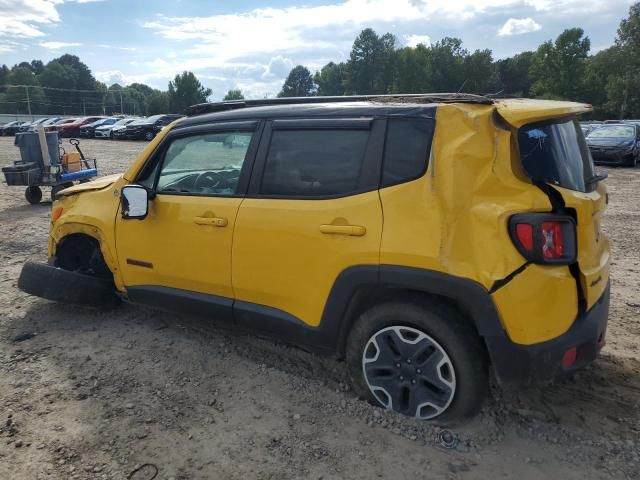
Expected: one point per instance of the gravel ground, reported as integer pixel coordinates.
(132, 393)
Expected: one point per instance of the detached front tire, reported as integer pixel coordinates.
(420, 359)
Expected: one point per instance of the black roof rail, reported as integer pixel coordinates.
(399, 98)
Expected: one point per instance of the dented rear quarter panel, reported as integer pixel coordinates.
(455, 220)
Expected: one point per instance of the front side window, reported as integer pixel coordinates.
(556, 153)
(311, 163)
(205, 164)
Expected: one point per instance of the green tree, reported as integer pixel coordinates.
(18, 99)
(234, 94)
(5, 73)
(157, 102)
(558, 68)
(623, 83)
(480, 72)
(331, 79)
(413, 70)
(186, 90)
(57, 76)
(37, 66)
(513, 74)
(369, 69)
(299, 83)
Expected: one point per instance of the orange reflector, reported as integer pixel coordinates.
(55, 215)
(569, 357)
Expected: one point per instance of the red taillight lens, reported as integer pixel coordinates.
(524, 232)
(544, 238)
(552, 241)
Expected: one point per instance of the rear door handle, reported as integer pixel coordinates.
(353, 230)
(211, 221)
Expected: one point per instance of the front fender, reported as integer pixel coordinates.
(90, 213)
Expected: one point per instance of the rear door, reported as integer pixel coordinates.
(556, 153)
(312, 211)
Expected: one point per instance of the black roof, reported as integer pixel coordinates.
(352, 106)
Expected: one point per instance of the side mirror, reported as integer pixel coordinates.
(135, 202)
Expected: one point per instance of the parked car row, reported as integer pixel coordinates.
(614, 142)
(118, 126)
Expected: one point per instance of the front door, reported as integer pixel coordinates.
(182, 249)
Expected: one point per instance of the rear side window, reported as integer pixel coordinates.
(556, 153)
(406, 150)
(314, 162)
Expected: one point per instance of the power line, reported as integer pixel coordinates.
(66, 89)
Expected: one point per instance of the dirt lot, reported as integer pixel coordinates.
(97, 394)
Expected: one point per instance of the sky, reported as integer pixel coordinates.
(252, 44)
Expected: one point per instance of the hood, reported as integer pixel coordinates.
(98, 184)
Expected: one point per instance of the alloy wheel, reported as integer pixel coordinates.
(408, 371)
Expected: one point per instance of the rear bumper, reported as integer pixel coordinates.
(543, 362)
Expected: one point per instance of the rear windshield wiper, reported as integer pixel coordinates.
(598, 177)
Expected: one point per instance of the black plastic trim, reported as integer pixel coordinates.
(184, 301)
(323, 123)
(511, 362)
(53, 283)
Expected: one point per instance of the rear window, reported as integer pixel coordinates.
(556, 153)
(406, 149)
(311, 163)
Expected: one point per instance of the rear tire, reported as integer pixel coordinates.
(437, 369)
(148, 136)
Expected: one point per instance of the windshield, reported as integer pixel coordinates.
(617, 131)
(556, 153)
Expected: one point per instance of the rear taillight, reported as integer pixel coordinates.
(544, 238)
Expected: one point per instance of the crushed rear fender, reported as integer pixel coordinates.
(60, 285)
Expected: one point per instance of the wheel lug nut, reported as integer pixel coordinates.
(409, 360)
(418, 371)
(397, 365)
(401, 377)
(413, 381)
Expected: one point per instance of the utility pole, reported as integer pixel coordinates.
(28, 101)
(121, 108)
(84, 108)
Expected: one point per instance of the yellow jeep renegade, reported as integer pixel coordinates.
(429, 240)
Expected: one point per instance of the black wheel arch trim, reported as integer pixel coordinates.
(359, 287)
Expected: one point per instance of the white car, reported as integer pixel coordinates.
(106, 131)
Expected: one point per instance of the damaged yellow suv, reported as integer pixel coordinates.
(429, 240)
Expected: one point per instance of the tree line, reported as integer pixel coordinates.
(560, 69)
(65, 85)
(563, 68)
